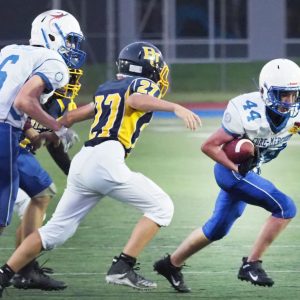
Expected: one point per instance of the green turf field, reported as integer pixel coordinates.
(170, 155)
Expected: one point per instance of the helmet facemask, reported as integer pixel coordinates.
(71, 89)
(70, 51)
(163, 82)
(275, 100)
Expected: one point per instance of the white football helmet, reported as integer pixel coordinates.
(60, 31)
(279, 76)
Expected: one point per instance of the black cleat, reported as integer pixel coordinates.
(4, 282)
(33, 276)
(254, 273)
(122, 273)
(173, 274)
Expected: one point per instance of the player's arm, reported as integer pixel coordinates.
(145, 102)
(212, 147)
(28, 102)
(60, 157)
(77, 115)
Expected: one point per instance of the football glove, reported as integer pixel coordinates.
(68, 137)
(250, 163)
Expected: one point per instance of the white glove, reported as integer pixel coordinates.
(68, 137)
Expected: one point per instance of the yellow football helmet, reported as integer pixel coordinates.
(71, 89)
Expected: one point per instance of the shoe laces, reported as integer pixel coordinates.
(46, 269)
(139, 277)
(43, 271)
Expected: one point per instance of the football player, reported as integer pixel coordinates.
(122, 108)
(36, 182)
(28, 73)
(268, 117)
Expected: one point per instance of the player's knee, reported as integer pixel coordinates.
(215, 230)
(48, 192)
(287, 209)
(53, 235)
(163, 213)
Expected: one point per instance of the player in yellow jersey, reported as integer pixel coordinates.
(122, 109)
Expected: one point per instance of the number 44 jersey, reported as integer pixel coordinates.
(246, 115)
(18, 64)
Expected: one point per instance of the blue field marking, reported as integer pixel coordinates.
(208, 113)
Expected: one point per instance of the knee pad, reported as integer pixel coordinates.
(50, 191)
(163, 214)
(286, 210)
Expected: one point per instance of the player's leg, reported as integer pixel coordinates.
(73, 206)
(68, 214)
(261, 192)
(9, 176)
(36, 182)
(157, 207)
(20, 207)
(38, 185)
(227, 210)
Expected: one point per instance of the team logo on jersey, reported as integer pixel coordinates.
(295, 129)
(151, 55)
(227, 117)
(59, 76)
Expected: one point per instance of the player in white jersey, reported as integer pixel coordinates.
(269, 118)
(28, 75)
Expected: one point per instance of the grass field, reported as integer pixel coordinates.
(170, 155)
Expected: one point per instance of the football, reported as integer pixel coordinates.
(239, 150)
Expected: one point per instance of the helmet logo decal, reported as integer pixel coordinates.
(58, 16)
(150, 54)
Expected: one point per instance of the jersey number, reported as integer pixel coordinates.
(252, 114)
(3, 75)
(113, 100)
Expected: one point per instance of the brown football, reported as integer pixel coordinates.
(239, 150)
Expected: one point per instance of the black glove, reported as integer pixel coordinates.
(250, 163)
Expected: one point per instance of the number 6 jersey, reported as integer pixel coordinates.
(246, 115)
(18, 64)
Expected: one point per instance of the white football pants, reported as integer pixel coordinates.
(96, 172)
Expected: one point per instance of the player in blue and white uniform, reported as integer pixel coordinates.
(269, 117)
(37, 183)
(28, 75)
(122, 108)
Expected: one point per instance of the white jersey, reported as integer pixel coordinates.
(246, 115)
(18, 63)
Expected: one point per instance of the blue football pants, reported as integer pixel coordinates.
(236, 192)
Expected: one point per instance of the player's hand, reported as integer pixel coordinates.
(43, 139)
(191, 120)
(250, 163)
(68, 137)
